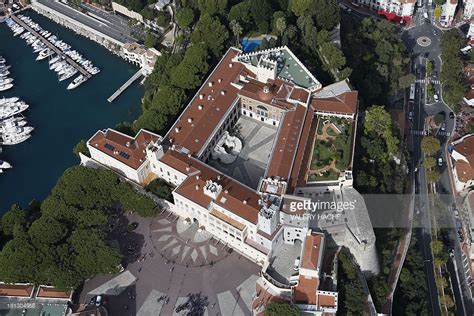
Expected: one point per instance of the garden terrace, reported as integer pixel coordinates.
(331, 152)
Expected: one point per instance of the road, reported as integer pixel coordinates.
(422, 42)
(110, 27)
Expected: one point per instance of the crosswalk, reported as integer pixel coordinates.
(427, 81)
(425, 133)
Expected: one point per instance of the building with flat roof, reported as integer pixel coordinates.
(245, 157)
(448, 12)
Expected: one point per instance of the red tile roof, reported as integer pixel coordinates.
(312, 246)
(305, 291)
(49, 292)
(278, 91)
(235, 197)
(343, 103)
(126, 149)
(20, 290)
(201, 116)
(465, 170)
(286, 144)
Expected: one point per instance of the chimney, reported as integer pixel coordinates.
(211, 83)
(189, 155)
(223, 92)
(190, 120)
(219, 80)
(200, 107)
(201, 96)
(230, 65)
(226, 191)
(197, 177)
(245, 202)
(177, 129)
(127, 144)
(187, 168)
(197, 187)
(218, 177)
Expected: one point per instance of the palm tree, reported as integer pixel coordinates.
(236, 29)
(280, 25)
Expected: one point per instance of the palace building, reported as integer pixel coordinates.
(261, 158)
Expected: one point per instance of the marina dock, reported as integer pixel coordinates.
(125, 85)
(70, 61)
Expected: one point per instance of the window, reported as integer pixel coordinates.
(262, 111)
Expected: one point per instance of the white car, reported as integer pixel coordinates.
(440, 162)
(436, 98)
(425, 15)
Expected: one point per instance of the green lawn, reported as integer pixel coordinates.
(339, 148)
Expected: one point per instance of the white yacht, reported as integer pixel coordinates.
(68, 74)
(13, 139)
(4, 165)
(13, 121)
(76, 82)
(2, 60)
(12, 129)
(8, 100)
(4, 73)
(5, 80)
(4, 68)
(54, 59)
(12, 109)
(4, 87)
(44, 54)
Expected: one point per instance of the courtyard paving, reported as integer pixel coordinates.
(172, 261)
(251, 163)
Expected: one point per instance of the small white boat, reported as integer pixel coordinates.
(4, 73)
(67, 75)
(8, 100)
(54, 59)
(5, 80)
(4, 87)
(44, 54)
(76, 82)
(13, 139)
(4, 165)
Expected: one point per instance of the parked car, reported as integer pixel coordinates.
(410, 116)
(435, 32)
(425, 15)
(436, 98)
(440, 162)
(443, 126)
(451, 115)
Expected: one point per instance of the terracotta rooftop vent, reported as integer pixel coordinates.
(211, 83)
(244, 201)
(223, 92)
(200, 107)
(177, 129)
(230, 65)
(219, 80)
(201, 96)
(190, 120)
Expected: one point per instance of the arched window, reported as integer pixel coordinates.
(262, 111)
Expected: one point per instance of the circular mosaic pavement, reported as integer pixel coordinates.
(183, 242)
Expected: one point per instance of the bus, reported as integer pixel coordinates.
(412, 92)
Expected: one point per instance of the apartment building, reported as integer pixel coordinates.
(462, 154)
(392, 9)
(448, 12)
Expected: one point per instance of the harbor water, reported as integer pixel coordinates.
(60, 117)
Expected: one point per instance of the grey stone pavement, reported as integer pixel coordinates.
(258, 139)
(282, 263)
(156, 269)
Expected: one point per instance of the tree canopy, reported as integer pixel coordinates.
(211, 32)
(66, 242)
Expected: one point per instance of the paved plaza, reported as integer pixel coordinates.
(251, 163)
(177, 264)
